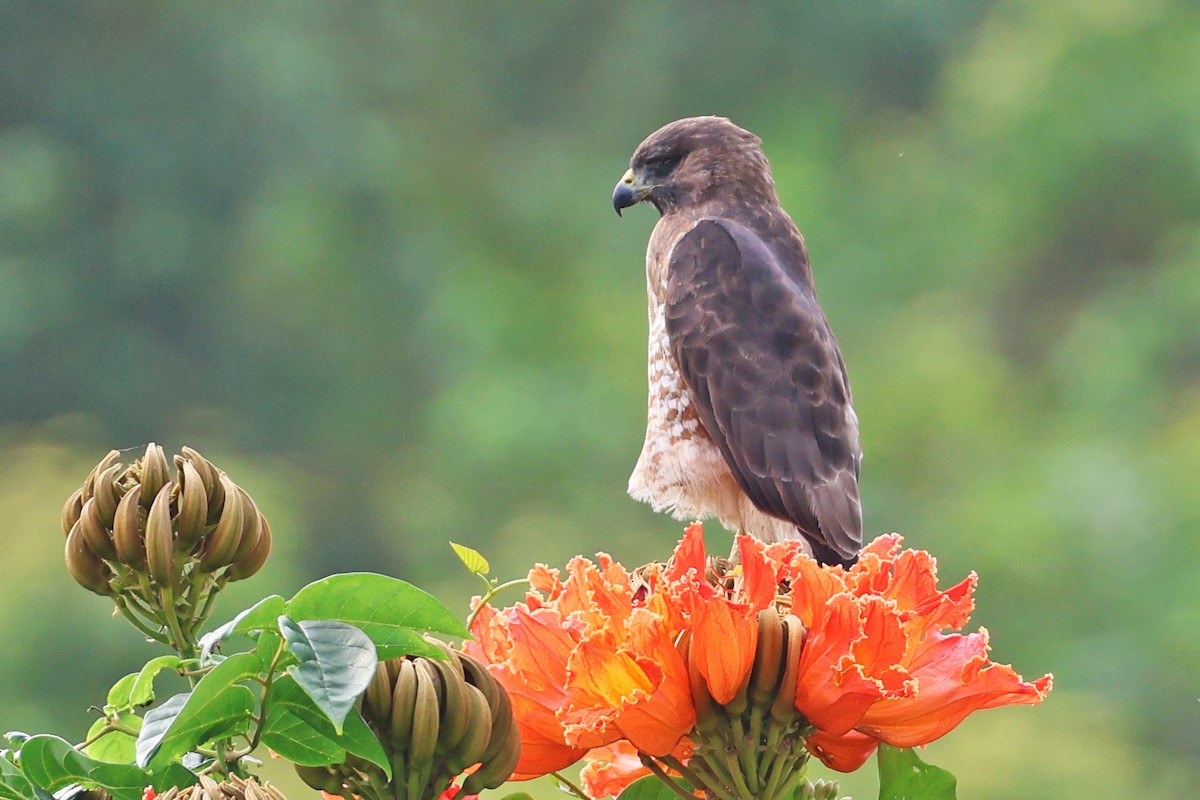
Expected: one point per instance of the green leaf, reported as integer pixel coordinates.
(15, 786)
(648, 788)
(394, 614)
(472, 559)
(297, 741)
(518, 796)
(189, 719)
(260, 616)
(288, 698)
(52, 763)
(119, 695)
(142, 691)
(116, 747)
(904, 776)
(336, 662)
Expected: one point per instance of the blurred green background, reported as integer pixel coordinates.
(362, 255)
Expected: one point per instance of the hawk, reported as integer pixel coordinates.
(750, 417)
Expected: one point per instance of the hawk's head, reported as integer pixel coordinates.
(695, 160)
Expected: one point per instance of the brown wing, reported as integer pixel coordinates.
(769, 382)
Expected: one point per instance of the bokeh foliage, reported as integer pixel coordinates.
(362, 255)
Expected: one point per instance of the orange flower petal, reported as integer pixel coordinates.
(845, 753)
(954, 678)
(849, 662)
(609, 770)
(724, 637)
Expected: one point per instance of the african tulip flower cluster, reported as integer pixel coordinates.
(729, 676)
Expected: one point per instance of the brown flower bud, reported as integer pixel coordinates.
(154, 476)
(71, 511)
(160, 539)
(193, 507)
(87, 568)
(104, 491)
(95, 531)
(255, 559)
(220, 546)
(128, 523)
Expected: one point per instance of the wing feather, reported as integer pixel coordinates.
(768, 380)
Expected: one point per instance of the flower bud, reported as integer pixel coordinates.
(193, 506)
(221, 545)
(160, 539)
(128, 523)
(439, 717)
(71, 511)
(87, 568)
(94, 531)
(153, 473)
(255, 559)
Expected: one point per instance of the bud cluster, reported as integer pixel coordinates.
(754, 745)
(162, 548)
(436, 718)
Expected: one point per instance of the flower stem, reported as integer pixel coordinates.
(712, 781)
(747, 757)
(662, 775)
(715, 786)
(123, 607)
(715, 768)
(492, 592)
(571, 786)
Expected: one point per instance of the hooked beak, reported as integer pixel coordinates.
(628, 192)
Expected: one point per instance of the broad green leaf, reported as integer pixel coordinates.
(120, 693)
(336, 661)
(518, 796)
(15, 786)
(472, 559)
(287, 696)
(155, 726)
(116, 747)
(175, 774)
(904, 776)
(648, 788)
(211, 707)
(142, 690)
(267, 644)
(297, 741)
(260, 616)
(394, 614)
(52, 763)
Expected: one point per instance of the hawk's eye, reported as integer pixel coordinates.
(663, 164)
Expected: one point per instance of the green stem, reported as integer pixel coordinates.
(567, 782)
(492, 592)
(137, 623)
(747, 753)
(266, 695)
(662, 775)
(734, 766)
(794, 777)
(694, 778)
(711, 780)
(182, 644)
(716, 768)
(210, 597)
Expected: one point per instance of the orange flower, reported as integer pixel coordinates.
(593, 667)
(723, 623)
(877, 665)
(586, 666)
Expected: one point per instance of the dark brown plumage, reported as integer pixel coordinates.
(740, 346)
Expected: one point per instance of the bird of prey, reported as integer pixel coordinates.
(750, 417)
